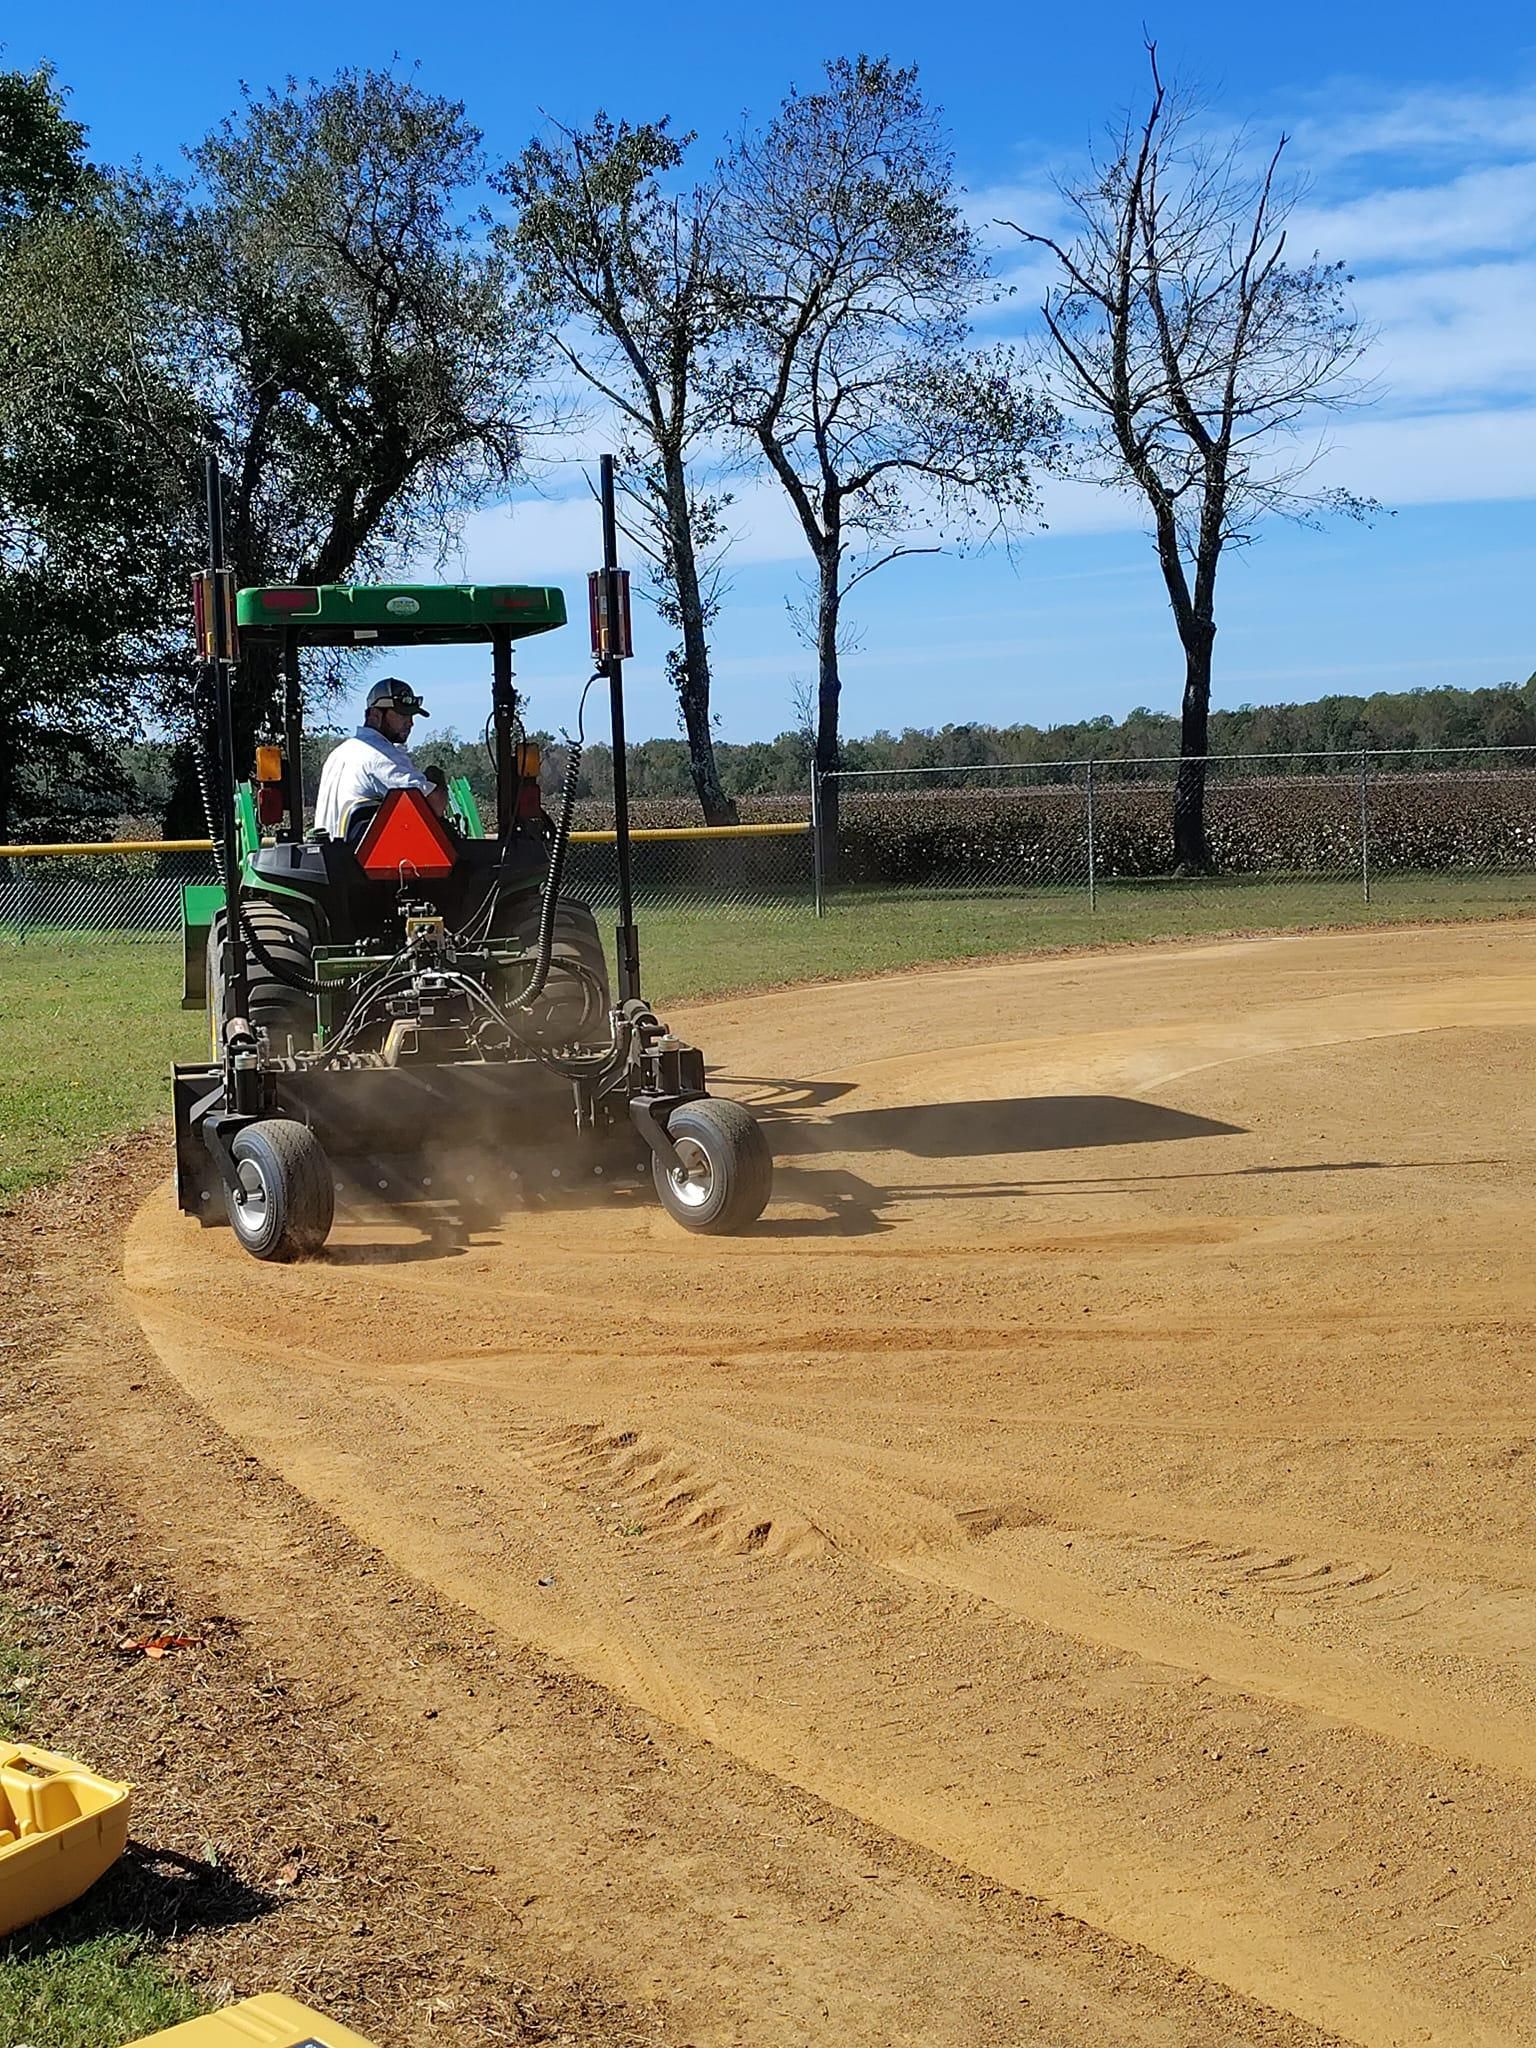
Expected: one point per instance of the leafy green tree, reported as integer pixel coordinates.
(352, 345)
(625, 267)
(42, 152)
(90, 546)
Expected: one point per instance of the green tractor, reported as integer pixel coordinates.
(417, 1002)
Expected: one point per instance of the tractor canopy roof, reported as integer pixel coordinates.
(397, 614)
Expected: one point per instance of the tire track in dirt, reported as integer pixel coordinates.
(1139, 1524)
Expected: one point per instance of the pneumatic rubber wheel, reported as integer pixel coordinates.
(286, 1201)
(725, 1175)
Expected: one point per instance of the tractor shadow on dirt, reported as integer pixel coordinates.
(981, 1130)
(795, 1116)
(849, 1204)
(805, 1127)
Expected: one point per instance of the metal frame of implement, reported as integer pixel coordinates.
(637, 1083)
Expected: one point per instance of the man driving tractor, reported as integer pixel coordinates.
(362, 771)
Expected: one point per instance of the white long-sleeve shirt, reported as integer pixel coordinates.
(362, 770)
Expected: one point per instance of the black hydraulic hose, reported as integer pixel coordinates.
(362, 1011)
(557, 851)
(305, 984)
(200, 765)
(600, 1066)
(290, 978)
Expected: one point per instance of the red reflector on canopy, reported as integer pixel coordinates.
(406, 838)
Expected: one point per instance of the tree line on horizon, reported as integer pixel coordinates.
(1415, 721)
(378, 330)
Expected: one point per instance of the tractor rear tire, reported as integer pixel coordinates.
(727, 1169)
(287, 1199)
(285, 1013)
(573, 1010)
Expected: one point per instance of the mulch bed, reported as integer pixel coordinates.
(261, 1859)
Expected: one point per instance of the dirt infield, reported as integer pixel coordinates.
(1107, 1472)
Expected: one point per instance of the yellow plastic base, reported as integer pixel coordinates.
(268, 2022)
(60, 1827)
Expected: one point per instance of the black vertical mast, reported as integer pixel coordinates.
(613, 665)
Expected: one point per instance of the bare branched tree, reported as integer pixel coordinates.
(1195, 357)
(802, 699)
(624, 267)
(852, 371)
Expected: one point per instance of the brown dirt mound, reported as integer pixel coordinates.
(1064, 1577)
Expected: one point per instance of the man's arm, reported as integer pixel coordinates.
(396, 770)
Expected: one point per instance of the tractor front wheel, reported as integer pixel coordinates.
(724, 1174)
(285, 1201)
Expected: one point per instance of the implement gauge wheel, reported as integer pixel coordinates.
(287, 1199)
(726, 1175)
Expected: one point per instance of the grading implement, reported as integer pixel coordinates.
(414, 1009)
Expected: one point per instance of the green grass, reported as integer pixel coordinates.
(875, 931)
(18, 1674)
(67, 1981)
(88, 1031)
(89, 1028)
(96, 1992)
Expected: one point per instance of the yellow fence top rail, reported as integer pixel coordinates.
(94, 846)
(786, 831)
(83, 846)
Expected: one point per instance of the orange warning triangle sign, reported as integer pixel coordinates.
(406, 839)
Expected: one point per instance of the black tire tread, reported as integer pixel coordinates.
(564, 1014)
(748, 1169)
(308, 1193)
(280, 1010)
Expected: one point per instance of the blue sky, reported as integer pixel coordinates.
(1415, 126)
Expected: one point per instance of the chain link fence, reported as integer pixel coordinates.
(763, 873)
(749, 872)
(131, 895)
(1442, 832)
(1369, 826)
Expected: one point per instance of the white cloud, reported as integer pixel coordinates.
(1474, 214)
(1426, 458)
(1021, 289)
(1437, 458)
(1361, 122)
(1032, 203)
(1462, 334)
(557, 536)
(1072, 507)
(534, 540)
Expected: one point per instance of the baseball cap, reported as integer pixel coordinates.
(399, 695)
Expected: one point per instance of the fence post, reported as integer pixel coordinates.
(818, 885)
(1365, 829)
(1093, 879)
